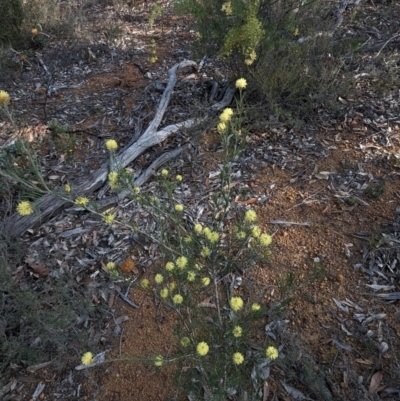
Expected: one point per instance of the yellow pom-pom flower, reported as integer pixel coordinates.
(67, 188)
(271, 353)
(179, 208)
(87, 358)
(238, 358)
(265, 239)
(113, 179)
(4, 98)
(241, 83)
(226, 115)
(236, 303)
(158, 361)
(164, 172)
(158, 278)
(206, 231)
(255, 307)
(110, 266)
(256, 232)
(109, 218)
(198, 228)
(164, 293)
(179, 178)
(237, 331)
(81, 201)
(191, 276)
(205, 281)
(181, 262)
(172, 286)
(250, 216)
(144, 283)
(111, 145)
(169, 266)
(205, 252)
(202, 348)
(178, 299)
(221, 127)
(24, 208)
(213, 237)
(240, 235)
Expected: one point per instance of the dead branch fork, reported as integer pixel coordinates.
(51, 204)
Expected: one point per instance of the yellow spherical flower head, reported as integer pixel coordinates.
(271, 353)
(24, 208)
(185, 341)
(164, 172)
(179, 178)
(179, 208)
(241, 83)
(164, 293)
(250, 216)
(113, 179)
(191, 276)
(172, 286)
(221, 127)
(67, 188)
(237, 331)
(178, 299)
(265, 239)
(110, 266)
(256, 232)
(206, 231)
(205, 281)
(205, 252)
(4, 98)
(236, 303)
(87, 358)
(169, 266)
(240, 235)
(81, 201)
(198, 266)
(255, 307)
(198, 228)
(202, 348)
(213, 237)
(181, 262)
(111, 145)
(187, 239)
(158, 278)
(109, 218)
(226, 115)
(158, 361)
(144, 283)
(136, 190)
(238, 358)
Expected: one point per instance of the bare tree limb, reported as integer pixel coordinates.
(51, 204)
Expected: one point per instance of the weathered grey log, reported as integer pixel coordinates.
(51, 204)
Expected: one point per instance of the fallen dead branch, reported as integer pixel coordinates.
(51, 204)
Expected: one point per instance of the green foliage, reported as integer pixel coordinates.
(259, 39)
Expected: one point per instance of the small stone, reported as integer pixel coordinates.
(340, 277)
